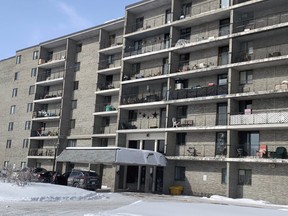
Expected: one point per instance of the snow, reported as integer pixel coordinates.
(48, 199)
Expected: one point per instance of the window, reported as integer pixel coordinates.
(10, 126)
(76, 85)
(184, 60)
(72, 143)
(221, 114)
(224, 176)
(222, 79)
(179, 173)
(25, 143)
(132, 115)
(35, 55)
(105, 121)
(244, 177)
(161, 146)
(249, 143)
(245, 107)
(33, 72)
(224, 3)
(18, 59)
(224, 27)
(8, 144)
(6, 163)
(110, 59)
(112, 40)
(246, 77)
(186, 10)
(74, 104)
(168, 16)
(16, 76)
(27, 125)
(29, 107)
(136, 68)
(72, 123)
(77, 66)
(223, 55)
(139, 23)
(181, 112)
(221, 143)
(79, 48)
(14, 92)
(12, 109)
(23, 165)
(185, 34)
(104, 142)
(138, 46)
(181, 138)
(31, 89)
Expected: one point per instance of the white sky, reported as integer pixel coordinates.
(12, 196)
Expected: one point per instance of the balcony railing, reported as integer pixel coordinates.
(42, 152)
(198, 92)
(199, 120)
(280, 117)
(107, 85)
(104, 107)
(55, 57)
(260, 22)
(185, 66)
(261, 53)
(105, 64)
(199, 150)
(147, 48)
(46, 113)
(149, 23)
(143, 98)
(117, 41)
(52, 76)
(51, 94)
(148, 72)
(44, 132)
(111, 129)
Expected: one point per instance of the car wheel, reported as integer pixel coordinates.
(76, 184)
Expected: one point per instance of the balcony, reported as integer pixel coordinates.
(261, 22)
(110, 129)
(276, 51)
(102, 86)
(147, 48)
(147, 72)
(213, 90)
(56, 60)
(113, 44)
(49, 78)
(50, 95)
(109, 64)
(105, 107)
(149, 23)
(200, 151)
(45, 133)
(279, 117)
(142, 98)
(42, 152)
(48, 115)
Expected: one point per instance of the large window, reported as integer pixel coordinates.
(246, 77)
(179, 173)
(244, 177)
(249, 143)
(181, 138)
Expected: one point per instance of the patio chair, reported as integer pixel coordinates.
(262, 152)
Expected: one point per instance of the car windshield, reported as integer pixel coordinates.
(91, 174)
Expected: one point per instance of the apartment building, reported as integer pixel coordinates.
(203, 82)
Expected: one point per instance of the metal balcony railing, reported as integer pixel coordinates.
(261, 53)
(105, 107)
(45, 132)
(198, 92)
(107, 85)
(109, 63)
(142, 98)
(42, 152)
(55, 57)
(52, 76)
(149, 23)
(185, 66)
(51, 94)
(199, 150)
(116, 42)
(260, 22)
(110, 129)
(279, 117)
(147, 47)
(148, 72)
(46, 113)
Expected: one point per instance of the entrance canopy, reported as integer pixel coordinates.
(112, 155)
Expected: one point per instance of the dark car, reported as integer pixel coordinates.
(45, 177)
(84, 179)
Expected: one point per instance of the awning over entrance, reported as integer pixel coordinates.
(112, 155)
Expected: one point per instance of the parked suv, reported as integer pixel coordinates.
(84, 179)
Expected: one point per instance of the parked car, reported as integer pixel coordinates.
(45, 177)
(84, 179)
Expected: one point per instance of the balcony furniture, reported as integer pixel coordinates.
(175, 123)
(192, 151)
(281, 152)
(263, 151)
(109, 107)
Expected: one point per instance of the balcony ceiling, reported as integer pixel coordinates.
(138, 8)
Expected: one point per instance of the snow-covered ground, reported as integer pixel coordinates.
(47, 199)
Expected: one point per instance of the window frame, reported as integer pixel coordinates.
(247, 76)
(10, 126)
(25, 143)
(31, 90)
(14, 92)
(224, 176)
(27, 125)
(29, 107)
(179, 174)
(8, 144)
(16, 75)
(35, 54)
(33, 72)
(76, 85)
(18, 59)
(13, 109)
(72, 123)
(247, 175)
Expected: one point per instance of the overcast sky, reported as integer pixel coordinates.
(26, 23)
